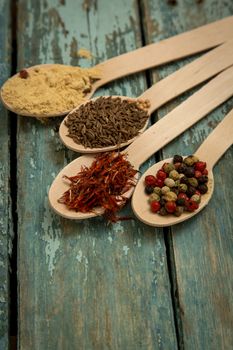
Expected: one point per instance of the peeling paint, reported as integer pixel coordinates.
(32, 163)
(79, 256)
(126, 249)
(51, 237)
(110, 239)
(118, 228)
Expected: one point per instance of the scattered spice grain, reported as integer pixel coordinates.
(107, 121)
(103, 184)
(49, 89)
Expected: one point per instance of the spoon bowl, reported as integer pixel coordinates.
(154, 138)
(71, 144)
(141, 206)
(168, 50)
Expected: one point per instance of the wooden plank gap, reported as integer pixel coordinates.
(13, 303)
(177, 307)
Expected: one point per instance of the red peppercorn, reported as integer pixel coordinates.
(155, 206)
(150, 180)
(23, 74)
(159, 183)
(191, 205)
(205, 172)
(183, 196)
(161, 174)
(200, 166)
(197, 174)
(170, 206)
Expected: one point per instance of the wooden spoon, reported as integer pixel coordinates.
(157, 136)
(166, 89)
(176, 47)
(210, 151)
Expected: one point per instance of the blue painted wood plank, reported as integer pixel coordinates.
(85, 285)
(201, 249)
(5, 224)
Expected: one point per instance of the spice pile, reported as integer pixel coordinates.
(49, 89)
(103, 184)
(107, 121)
(177, 186)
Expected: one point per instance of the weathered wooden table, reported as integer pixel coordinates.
(89, 285)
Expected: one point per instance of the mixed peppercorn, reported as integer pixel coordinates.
(177, 186)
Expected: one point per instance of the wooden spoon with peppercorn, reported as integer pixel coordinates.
(108, 123)
(157, 136)
(171, 49)
(176, 200)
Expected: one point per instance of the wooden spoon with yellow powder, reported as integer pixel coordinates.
(51, 90)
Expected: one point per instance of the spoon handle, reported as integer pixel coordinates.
(190, 75)
(217, 143)
(174, 48)
(182, 117)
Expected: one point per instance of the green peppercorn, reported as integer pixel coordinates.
(189, 171)
(203, 179)
(189, 161)
(174, 175)
(157, 190)
(177, 183)
(162, 211)
(169, 182)
(180, 202)
(196, 198)
(190, 191)
(170, 196)
(183, 188)
(202, 188)
(154, 197)
(165, 189)
(168, 167)
(177, 158)
(193, 181)
(195, 158)
(179, 211)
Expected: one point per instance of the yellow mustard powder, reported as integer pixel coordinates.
(49, 90)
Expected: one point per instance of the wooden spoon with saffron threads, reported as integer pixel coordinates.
(153, 139)
(165, 90)
(210, 151)
(170, 49)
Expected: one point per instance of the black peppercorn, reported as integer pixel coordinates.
(182, 168)
(162, 202)
(149, 189)
(184, 180)
(191, 191)
(203, 179)
(177, 159)
(203, 188)
(189, 171)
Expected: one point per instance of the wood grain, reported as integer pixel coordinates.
(201, 249)
(85, 285)
(5, 205)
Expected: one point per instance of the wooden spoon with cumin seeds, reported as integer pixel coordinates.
(166, 89)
